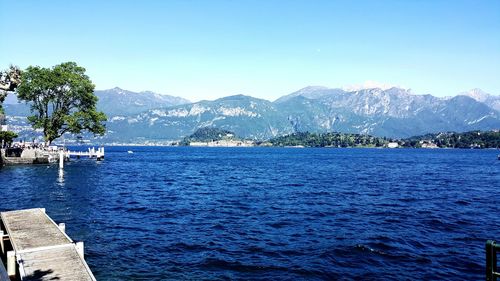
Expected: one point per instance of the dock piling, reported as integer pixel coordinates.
(79, 248)
(61, 159)
(2, 245)
(91, 152)
(62, 227)
(11, 263)
(1, 240)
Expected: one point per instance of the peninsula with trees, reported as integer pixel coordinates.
(474, 139)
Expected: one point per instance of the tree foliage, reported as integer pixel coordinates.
(7, 137)
(328, 139)
(473, 139)
(62, 100)
(9, 80)
(208, 134)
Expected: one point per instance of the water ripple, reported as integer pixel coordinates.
(272, 214)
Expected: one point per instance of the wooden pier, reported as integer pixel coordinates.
(36, 248)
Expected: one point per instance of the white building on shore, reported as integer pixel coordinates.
(392, 145)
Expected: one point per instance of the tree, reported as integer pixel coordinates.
(62, 100)
(9, 80)
(6, 137)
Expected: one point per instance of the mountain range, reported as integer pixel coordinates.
(395, 112)
(113, 102)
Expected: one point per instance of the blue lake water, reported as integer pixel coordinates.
(184, 213)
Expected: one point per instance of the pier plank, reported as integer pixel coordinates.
(63, 263)
(42, 250)
(32, 228)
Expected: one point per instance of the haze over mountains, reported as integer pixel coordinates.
(394, 112)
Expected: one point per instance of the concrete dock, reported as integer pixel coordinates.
(36, 248)
(23, 156)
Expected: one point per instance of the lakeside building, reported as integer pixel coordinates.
(392, 145)
(428, 144)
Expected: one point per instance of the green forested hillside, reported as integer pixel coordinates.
(473, 139)
(208, 134)
(329, 139)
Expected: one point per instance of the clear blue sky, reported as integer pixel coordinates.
(267, 48)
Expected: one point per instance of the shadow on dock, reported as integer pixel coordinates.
(39, 275)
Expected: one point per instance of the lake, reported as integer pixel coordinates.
(185, 213)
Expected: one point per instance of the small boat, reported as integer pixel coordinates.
(130, 152)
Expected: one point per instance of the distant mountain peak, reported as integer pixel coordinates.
(311, 92)
(310, 89)
(118, 101)
(116, 90)
(238, 97)
(367, 85)
(479, 95)
(477, 90)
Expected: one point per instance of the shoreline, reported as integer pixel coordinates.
(267, 146)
